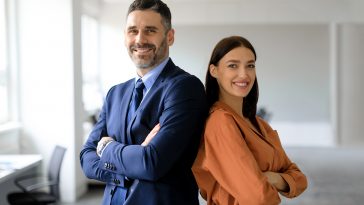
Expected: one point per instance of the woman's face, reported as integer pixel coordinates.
(235, 74)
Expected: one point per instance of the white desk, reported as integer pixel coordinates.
(13, 166)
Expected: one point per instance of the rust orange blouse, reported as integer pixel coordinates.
(233, 156)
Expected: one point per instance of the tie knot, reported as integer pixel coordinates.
(139, 85)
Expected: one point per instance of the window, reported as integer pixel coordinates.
(91, 82)
(4, 93)
(92, 95)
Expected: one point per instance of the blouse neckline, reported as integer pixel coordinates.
(221, 105)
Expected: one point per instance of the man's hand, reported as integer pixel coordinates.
(151, 135)
(102, 144)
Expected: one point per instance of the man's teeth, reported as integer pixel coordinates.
(142, 49)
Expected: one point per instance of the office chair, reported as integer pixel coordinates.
(29, 194)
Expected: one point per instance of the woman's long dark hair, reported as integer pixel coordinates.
(212, 88)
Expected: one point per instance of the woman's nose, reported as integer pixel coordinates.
(242, 72)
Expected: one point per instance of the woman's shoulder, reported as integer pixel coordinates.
(262, 121)
(221, 117)
(220, 111)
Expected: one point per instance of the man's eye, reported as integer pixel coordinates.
(132, 31)
(150, 31)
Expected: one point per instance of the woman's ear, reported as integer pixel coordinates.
(213, 70)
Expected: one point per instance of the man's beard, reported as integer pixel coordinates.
(148, 61)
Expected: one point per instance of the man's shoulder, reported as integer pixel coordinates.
(184, 80)
(121, 87)
(179, 75)
(173, 71)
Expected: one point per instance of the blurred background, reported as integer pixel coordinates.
(58, 58)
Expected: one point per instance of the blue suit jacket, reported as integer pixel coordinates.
(161, 171)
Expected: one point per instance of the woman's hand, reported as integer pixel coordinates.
(277, 181)
(151, 135)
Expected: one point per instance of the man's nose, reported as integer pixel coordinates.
(140, 38)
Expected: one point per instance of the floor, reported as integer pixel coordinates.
(336, 177)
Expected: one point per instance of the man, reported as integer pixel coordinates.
(153, 170)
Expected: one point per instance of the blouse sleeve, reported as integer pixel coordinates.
(231, 163)
(296, 180)
(290, 172)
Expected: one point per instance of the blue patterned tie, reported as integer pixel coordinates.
(137, 98)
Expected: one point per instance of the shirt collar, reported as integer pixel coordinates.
(150, 77)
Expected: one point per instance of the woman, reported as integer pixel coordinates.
(240, 160)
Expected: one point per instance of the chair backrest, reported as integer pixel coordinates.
(54, 169)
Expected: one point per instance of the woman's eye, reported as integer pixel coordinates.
(232, 66)
(251, 66)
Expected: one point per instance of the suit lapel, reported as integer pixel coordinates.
(124, 106)
(169, 68)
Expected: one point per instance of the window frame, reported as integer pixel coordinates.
(4, 68)
(12, 122)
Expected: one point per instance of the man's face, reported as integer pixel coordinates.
(146, 39)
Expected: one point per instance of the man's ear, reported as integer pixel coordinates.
(213, 70)
(170, 37)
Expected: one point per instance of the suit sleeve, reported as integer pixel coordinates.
(231, 163)
(176, 142)
(88, 157)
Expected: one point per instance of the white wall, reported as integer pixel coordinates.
(292, 69)
(296, 45)
(351, 74)
(50, 84)
(292, 64)
(265, 11)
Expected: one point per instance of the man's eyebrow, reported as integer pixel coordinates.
(151, 27)
(147, 27)
(131, 27)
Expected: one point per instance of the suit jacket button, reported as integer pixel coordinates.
(105, 165)
(116, 181)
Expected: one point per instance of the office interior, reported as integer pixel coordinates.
(60, 57)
